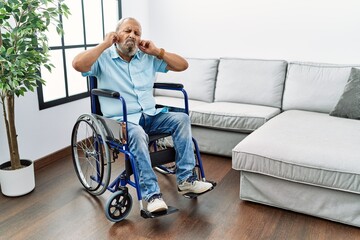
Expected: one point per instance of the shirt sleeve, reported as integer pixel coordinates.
(93, 71)
(161, 66)
(85, 74)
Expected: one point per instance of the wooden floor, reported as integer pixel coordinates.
(58, 208)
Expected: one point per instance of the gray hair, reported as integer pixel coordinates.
(121, 21)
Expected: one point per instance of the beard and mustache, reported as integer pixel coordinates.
(128, 48)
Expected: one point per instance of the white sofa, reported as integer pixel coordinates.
(228, 98)
(273, 118)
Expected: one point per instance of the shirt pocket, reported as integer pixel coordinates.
(144, 80)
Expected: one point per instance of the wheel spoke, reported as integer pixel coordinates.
(89, 153)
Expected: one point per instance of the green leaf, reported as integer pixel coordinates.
(24, 6)
(48, 67)
(24, 44)
(9, 51)
(8, 8)
(51, 9)
(23, 19)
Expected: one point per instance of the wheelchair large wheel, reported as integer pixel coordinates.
(118, 206)
(91, 155)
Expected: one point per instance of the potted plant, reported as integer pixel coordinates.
(23, 50)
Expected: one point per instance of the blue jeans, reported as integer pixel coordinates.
(178, 125)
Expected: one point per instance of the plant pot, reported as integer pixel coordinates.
(17, 182)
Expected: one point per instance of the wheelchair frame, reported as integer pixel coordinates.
(94, 148)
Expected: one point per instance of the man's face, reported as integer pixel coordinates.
(130, 36)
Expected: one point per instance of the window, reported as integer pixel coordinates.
(85, 28)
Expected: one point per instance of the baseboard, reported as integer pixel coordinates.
(53, 157)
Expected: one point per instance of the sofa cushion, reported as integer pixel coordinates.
(231, 116)
(198, 80)
(314, 86)
(250, 81)
(305, 147)
(349, 103)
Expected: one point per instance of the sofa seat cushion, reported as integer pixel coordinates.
(305, 147)
(228, 116)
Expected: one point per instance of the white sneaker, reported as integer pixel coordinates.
(156, 204)
(194, 186)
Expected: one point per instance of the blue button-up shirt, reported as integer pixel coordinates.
(134, 81)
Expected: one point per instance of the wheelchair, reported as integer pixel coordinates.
(96, 145)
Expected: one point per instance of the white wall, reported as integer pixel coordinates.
(3, 142)
(42, 132)
(138, 9)
(304, 30)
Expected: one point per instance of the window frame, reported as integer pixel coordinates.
(63, 48)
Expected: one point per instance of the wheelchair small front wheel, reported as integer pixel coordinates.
(118, 206)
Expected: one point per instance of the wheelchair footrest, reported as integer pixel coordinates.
(147, 214)
(193, 195)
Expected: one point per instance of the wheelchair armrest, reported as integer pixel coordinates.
(170, 86)
(105, 93)
(176, 87)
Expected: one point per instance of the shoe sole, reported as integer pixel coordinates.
(189, 191)
(162, 209)
(195, 195)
